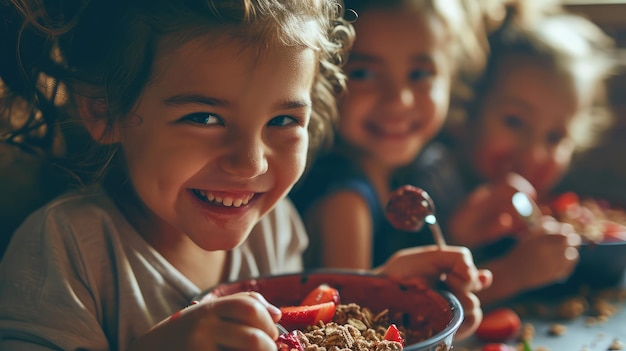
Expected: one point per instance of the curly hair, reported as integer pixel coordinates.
(105, 49)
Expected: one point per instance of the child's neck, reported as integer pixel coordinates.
(380, 176)
(203, 268)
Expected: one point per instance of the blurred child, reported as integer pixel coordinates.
(407, 58)
(540, 100)
(202, 111)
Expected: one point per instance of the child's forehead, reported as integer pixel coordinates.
(399, 29)
(212, 44)
(573, 76)
(226, 69)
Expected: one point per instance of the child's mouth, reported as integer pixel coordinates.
(221, 200)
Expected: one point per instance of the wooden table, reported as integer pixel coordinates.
(583, 333)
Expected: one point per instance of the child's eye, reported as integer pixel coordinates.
(420, 74)
(205, 118)
(513, 122)
(554, 138)
(360, 74)
(282, 121)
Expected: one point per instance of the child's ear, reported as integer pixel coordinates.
(93, 113)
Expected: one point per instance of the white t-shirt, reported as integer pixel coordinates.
(78, 276)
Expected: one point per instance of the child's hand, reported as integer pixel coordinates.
(488, 213)
(544, 255)
(243, 321)
(462, 278)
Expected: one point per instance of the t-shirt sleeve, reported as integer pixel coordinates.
(45, 300)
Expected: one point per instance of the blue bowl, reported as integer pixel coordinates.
(416, 308)
(600, 265)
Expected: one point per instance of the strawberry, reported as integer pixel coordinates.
(565, 203)
(289, 342)
(299, 317)
(614, 232)
(498, 347)
(323, 293)
(499, 325)
(393, 334)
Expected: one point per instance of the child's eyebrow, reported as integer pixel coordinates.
(197, 99)
(360, 57)
(512, 101)
(294, 104)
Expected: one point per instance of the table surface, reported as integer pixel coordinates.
(580, 333)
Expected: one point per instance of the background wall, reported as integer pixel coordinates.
(602, 172)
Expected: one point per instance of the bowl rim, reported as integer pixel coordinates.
(451, 328)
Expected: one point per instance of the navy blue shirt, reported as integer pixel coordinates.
(434, 171)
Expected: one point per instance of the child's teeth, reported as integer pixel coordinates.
(225, 201)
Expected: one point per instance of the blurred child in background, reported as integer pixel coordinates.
(540, 101)
(407, 58)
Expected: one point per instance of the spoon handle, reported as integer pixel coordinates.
(436, 230)
(281, 330)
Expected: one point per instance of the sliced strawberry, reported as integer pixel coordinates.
(498, 347)
(289, 342)
(393, 334)
(323, 293)
(499, 325)
(299, 317)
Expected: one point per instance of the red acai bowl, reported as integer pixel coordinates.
(432, 316)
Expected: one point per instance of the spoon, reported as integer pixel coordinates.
(526, 209)
(281, 329)
(409, 207)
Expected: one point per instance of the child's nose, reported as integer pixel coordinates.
(532, 160)
(245, 158)
(399, 97)
(536, 154)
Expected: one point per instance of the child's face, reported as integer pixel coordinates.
(524, 124)
(220, 137)
(399, 84)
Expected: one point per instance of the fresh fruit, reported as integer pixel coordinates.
(393, 334)
(323, 293)
(565, 202)
(499, 325)
(614, 232)
(299, 317)
(407, 208)
(289, 342)
(498, 347)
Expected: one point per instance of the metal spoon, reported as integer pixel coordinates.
(526, 209)
(281, 329)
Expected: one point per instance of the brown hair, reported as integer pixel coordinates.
(569, 44)
(105, 49)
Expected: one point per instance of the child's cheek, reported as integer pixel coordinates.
(493, 157)
(550, 174)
